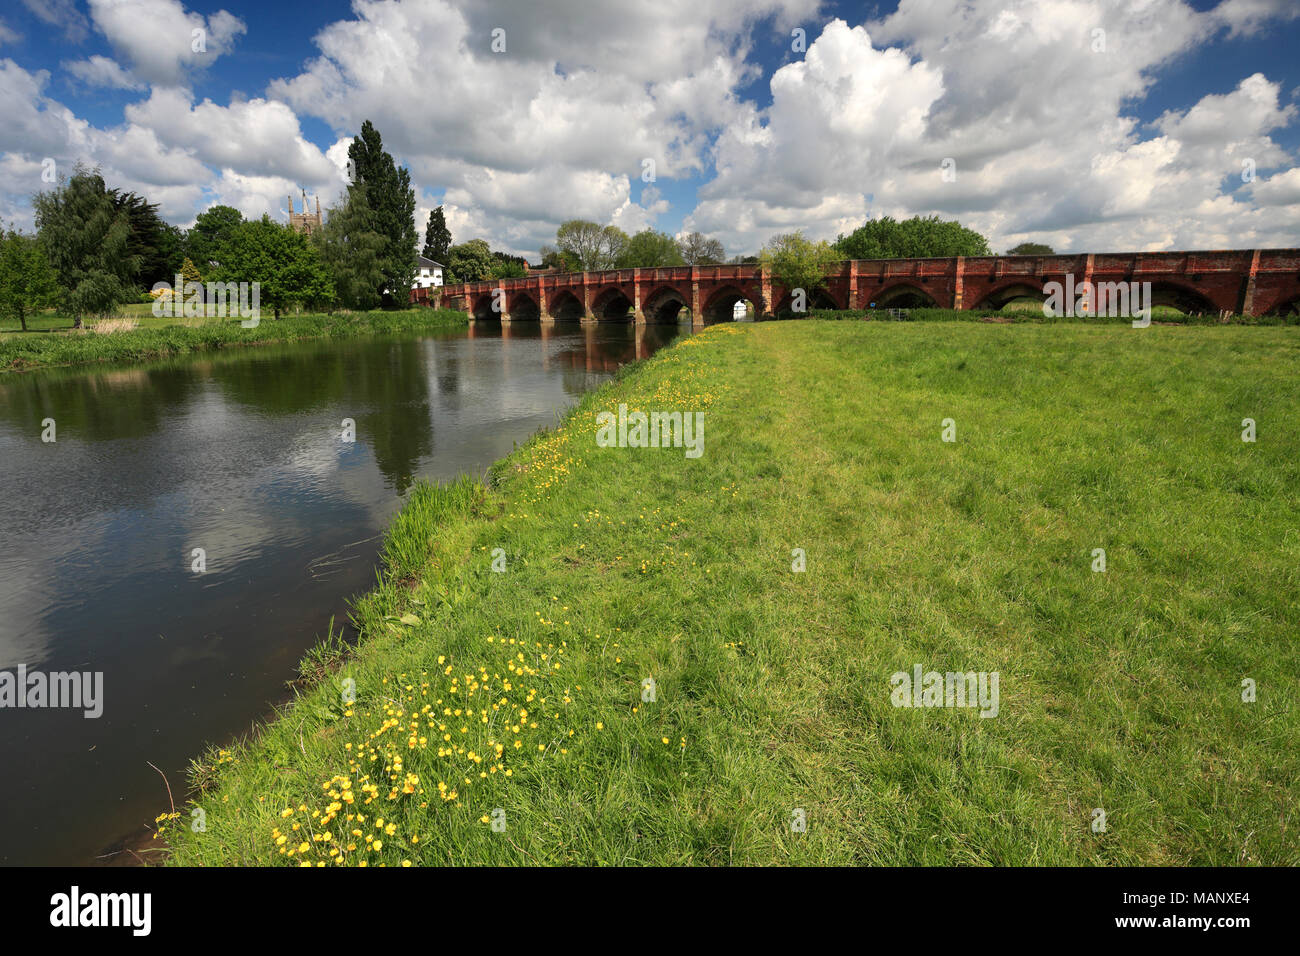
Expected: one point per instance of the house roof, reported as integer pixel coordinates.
(427, 263)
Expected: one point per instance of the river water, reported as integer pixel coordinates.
(238, 453)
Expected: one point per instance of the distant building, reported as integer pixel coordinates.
(427, 273)
(304, 222)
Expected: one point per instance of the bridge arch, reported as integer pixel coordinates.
(1184, 298)
(721, 304)
(612, 305)
(902, 295)
(566, 307)
(1289, 307)
(817, 299)
(999, 297)
(483, 311)
(524, 308)
(665, 305)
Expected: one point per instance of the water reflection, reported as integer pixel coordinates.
(239, 453)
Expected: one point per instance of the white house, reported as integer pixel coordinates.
(427, 273)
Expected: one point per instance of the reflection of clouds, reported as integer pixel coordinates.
(24, 597)
(111, 543)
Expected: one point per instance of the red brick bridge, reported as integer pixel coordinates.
(1247, 282)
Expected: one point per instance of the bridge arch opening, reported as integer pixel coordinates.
(1288, 309)
(665, 306)
(566, 307)
(1020, 297)
(729, 304)
(817, 299)
(1186, 300)
(901, 296)
(483, 311)
(524, 308)
(612, 305)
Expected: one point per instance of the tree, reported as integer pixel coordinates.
(284, 263)
(87, 238)
(210, 230)
(650, 250)
(1031, 249)
(437, 237)
(153, 243)
(470, 261)
(798, 263)
(589, 244)
(887, 238)
(699, 250)
(389, 193)
(506, 266)
(353, 251)
(553, 258)
(28, 282)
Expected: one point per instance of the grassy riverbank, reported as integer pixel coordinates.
(519, 696)
(30, 350)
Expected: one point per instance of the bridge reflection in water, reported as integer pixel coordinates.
(585, 346)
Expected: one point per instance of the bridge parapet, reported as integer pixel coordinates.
(1234, 280)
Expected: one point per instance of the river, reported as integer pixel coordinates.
(239, 453)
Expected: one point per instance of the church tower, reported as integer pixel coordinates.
(304, 222)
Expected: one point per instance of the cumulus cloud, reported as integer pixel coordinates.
(62, 14)
(1057, 160)
(560, 122)
(164, 43)
(102, 71)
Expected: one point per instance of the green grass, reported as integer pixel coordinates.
(1031, 310)
(1119, 690)
(153, 340)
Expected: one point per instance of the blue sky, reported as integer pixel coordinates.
(1141, 144)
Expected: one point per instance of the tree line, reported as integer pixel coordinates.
(97, 247)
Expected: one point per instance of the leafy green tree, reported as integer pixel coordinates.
(553, 258)
(389, 193)
(353, 251)
(153, 243)
(88, 239)
(797, 262)
(437, 237)
(286, 265)
(918, 237)
(189, 272)
(212, 228)
(650, 250)
(28, 282)
(506, 266)
(698, 249)
(470, 261)
(1031, 249)
(591, 245)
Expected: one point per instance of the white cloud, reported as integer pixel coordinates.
(101, 71)
(1041, 127)
(63, 14)
(164, 43)
(8, 34)
(1057, 159)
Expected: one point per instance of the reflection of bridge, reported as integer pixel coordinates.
(1250, 282)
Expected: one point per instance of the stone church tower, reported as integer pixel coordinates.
(304, 222)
